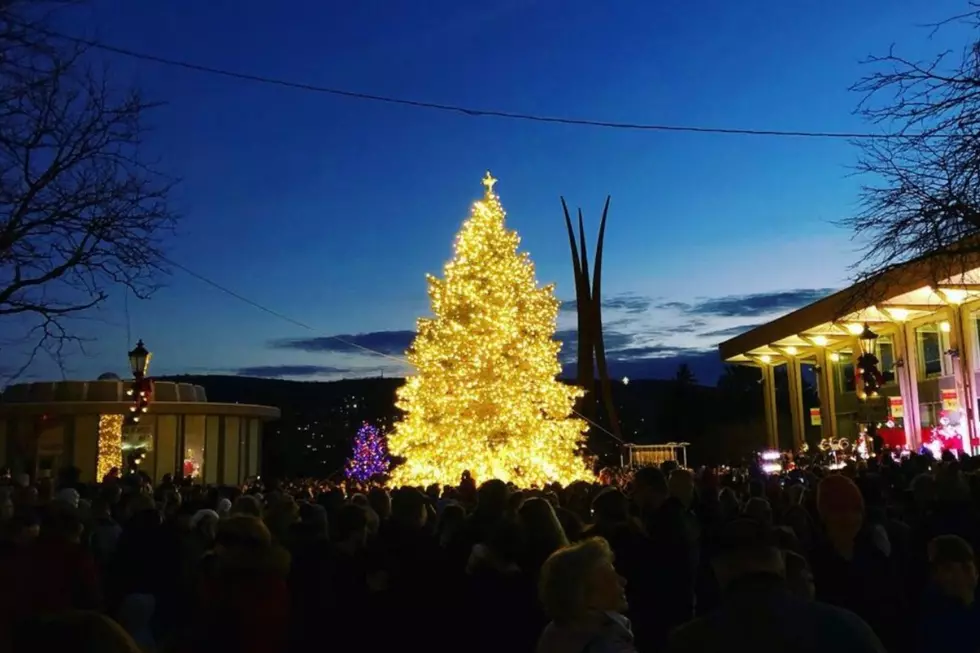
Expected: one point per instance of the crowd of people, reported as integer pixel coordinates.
(874, 557)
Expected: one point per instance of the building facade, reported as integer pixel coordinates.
(45, 427)
(927, 348)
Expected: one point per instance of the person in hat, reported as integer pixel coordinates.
(759, 612)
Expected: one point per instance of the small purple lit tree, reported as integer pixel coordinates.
(369, 457)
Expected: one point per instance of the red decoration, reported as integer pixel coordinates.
(141, 393)
(948, 437)
(892, 437)
(870, 375)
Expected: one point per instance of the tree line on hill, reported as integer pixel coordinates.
(319, 418)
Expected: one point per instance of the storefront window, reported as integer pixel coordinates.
(844, 372)
(975, 322)
(886, 358)
(193, 464)
(930, 345)
(929, 414)
(137, 445)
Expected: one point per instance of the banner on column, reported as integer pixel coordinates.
(896, 409)
(815, 416)
(950, 400)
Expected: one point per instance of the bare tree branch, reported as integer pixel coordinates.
(924, 202)
(81, 210)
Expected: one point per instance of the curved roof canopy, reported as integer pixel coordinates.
(905, 292)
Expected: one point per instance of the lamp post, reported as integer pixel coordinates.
(139, 392)
(139, 361)
(872, 378)
(868, 339)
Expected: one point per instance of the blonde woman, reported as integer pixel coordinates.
(585, 599)
(541, 531)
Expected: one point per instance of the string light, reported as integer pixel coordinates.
(464, 110)
(485, 396)
(370, 455)
(110, 444)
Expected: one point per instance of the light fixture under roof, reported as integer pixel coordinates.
(954, 295)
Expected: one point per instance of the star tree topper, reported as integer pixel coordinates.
(488, 182)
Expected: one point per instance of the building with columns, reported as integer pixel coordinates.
(928, 351)
(47, 426)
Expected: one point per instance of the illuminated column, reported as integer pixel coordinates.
(109, 445)
(769, 401)
(962, 372)
(907, 371)
(856, 352)
(795, 379)
(968, 360)
(826, 394)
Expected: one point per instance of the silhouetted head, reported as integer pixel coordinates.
(650, 487)
(747, 547)
(610, 507)
(492, 497)
(408, 507)
(840, 506)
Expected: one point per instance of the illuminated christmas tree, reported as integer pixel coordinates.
(485, 396)
(370, 455)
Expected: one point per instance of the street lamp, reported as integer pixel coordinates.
(867, 363)
(139, 390)
(139, 359)
(868, 339)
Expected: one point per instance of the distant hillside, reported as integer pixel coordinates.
(305, 396)
(284, 393)
(320, 417)
(642, 404)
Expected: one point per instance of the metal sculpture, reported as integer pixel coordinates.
(591, 355)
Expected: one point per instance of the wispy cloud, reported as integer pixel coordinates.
(391, 343)
(644, 337)
(755, 305)
(730, 332)
(629, 303)
(281, 371)
(612, 339)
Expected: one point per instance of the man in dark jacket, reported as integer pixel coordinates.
(758, 611)
(665, 520)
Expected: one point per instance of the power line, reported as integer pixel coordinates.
(286, 318)
(272, 312)
(470, 111)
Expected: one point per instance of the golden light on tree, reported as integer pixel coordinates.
(110, 444)
(485, 396)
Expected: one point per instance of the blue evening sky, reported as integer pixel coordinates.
(332, 210)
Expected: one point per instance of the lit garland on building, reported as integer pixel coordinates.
(485, 396)
(369, 454)
(110, 444)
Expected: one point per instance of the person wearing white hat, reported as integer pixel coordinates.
(224, 507)
(68, 495)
